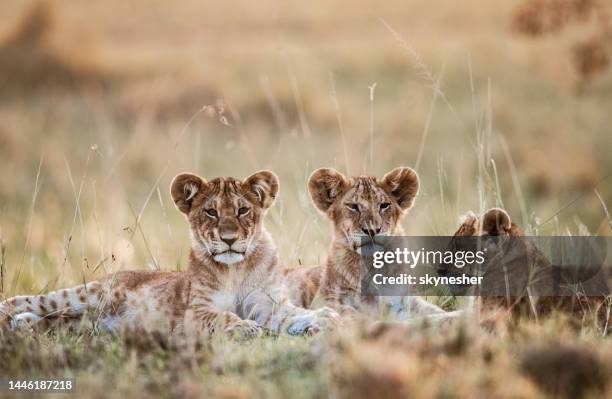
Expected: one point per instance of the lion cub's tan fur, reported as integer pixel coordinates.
(232, 283)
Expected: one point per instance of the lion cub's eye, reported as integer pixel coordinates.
(384, 206)
(243, 211)
(212, 212)
(353, 207)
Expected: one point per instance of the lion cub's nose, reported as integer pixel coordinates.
(229, 240)
(442, 271)
(371, 232)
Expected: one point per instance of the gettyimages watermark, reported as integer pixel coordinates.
(489, 266)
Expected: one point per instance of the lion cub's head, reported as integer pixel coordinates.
(225, 214)
(363, 207)
(496, 238)
(494, 222)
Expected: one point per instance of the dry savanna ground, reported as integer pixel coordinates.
(494, 103)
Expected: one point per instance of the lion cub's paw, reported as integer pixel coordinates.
(304, 324)
(313, 321)
(25, 321)
(327, 316)
(245, 329)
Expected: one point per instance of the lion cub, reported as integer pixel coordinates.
(232, 283)
(361, 209)
(528, 267)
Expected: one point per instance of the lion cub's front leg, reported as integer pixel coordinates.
(276, 313)
(229, 323)
(308, 321)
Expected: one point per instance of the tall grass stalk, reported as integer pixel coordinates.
(430, 113)
(458, 209)
(372, 88)
(275, 107)
(422, 69)
(145, 241)
(77, 210)
(336, 102)
(2, 262)
(575, 200)
(29, 226)
(473, 95)
(605, 208)
(247, 145)
(515, 181)
(297, 97)
(442, 181)
(103, 255)
(177, 142)
(499, 202)
(169, 227)
(480, 155)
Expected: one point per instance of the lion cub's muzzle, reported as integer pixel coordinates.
(361, 242)
(229, 251)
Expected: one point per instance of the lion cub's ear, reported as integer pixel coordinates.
(265, 185)
(325, 185)
(469, 225)
(185, 188)
(403, 184)
(495, 222)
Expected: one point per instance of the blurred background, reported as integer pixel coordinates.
(102, 103)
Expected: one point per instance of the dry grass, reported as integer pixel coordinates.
(526, 360)
(105, 109)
